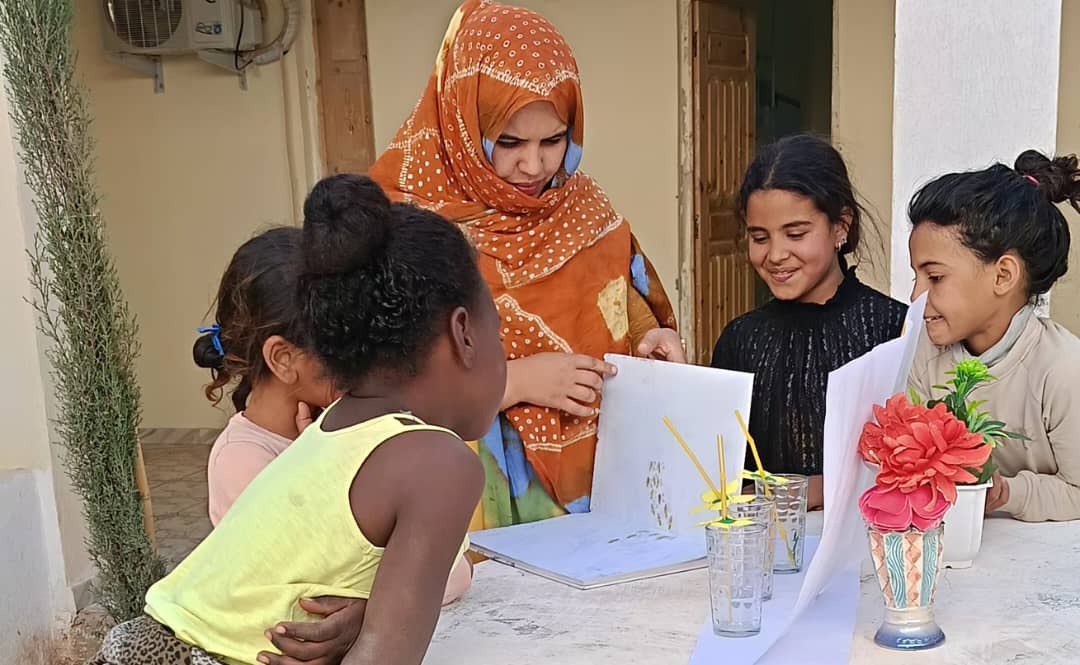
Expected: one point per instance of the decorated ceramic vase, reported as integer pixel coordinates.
(907, 564)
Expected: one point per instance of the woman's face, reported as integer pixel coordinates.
(531, 148)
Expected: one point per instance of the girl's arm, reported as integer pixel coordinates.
(1040, 497)
(416, 493)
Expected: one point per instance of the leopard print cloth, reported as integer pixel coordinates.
(143, 640)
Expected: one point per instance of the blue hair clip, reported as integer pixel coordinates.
(215, 337)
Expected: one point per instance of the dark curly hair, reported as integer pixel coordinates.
(1001, 209)
(256, 300)
(378, 278)
(809, 166)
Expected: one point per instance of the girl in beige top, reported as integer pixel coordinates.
(985, 245)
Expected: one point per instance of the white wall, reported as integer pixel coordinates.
(34, 601)
(976, 82)
(34, 580)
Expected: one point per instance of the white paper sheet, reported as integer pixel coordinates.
(822, 637)
(852, 392)
(644, 486)
(642, 474)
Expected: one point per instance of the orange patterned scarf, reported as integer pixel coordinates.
(558, 265)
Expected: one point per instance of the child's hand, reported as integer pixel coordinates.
(815, 493)
(322, 642)
(998, 495)
(460, 580)
(303, 417)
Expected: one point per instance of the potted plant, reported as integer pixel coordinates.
(965, 517)
(921, 452)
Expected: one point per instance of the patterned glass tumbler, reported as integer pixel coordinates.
(760, 510)
(736, 577)
(790, 500)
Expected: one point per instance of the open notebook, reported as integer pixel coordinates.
(644, 485)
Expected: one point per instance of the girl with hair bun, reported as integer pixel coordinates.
(373, 499)
(985, 245)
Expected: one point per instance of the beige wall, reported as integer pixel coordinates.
(22, 397)
(862, 116)
(1065, 299)
(25, 443)
(186, 177)
(629, 71)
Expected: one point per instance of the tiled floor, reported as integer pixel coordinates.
(177, 477)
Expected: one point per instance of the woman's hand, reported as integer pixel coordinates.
(662, 344)
(322, 642)
(565, 381)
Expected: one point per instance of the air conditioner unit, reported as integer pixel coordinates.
(172, 27)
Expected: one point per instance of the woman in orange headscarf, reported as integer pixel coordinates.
(494, 144)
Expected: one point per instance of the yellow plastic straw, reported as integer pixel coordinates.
(753, 446)
(692, 456)
(723, 478)
(768, 492)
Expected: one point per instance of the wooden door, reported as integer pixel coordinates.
(343, 87)
(723, 147)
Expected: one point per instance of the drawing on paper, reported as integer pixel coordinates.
(658, 503)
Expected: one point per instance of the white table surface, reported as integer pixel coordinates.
(1018, 604)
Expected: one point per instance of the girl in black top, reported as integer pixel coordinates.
(799, 213)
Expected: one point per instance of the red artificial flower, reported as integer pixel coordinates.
(892, 509)
(915, 446)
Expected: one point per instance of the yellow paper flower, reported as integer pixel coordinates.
(711, 500)
(726, 522)
(764, 475)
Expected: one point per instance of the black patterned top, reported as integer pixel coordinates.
(791, 347)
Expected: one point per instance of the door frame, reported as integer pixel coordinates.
(686, 308)
(303, 110)
(363, 135)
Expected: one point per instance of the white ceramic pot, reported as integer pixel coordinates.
(964, 525)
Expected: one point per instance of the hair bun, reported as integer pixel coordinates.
(347, 224)
(1058, 178)
(206, 354)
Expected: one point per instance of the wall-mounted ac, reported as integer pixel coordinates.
(169, 27)
(138, 32)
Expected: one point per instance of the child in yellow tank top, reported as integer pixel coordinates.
(373, 500)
